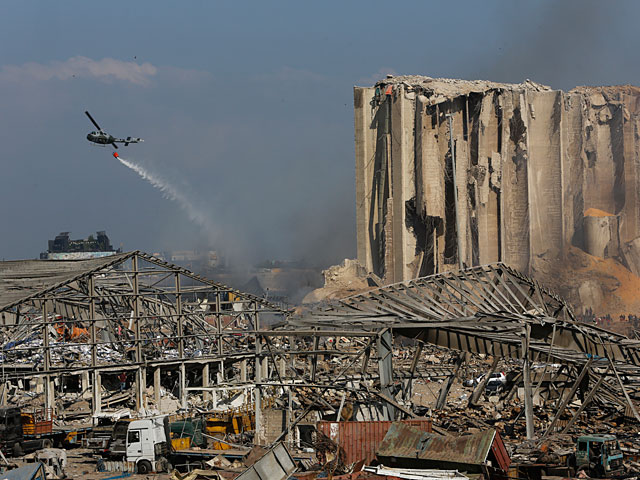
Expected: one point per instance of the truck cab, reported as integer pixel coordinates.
(117, 446)
(146, 443)
(600, 455)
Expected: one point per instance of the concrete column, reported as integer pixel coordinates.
(183, 386)
(601, 235)
(220, 374)
(140, 387)
(630, 225)
(365, 149)
(283, 367)
(96, 390)
(156, 387)
(385, 368)
(50, 393)
(85, 383)
(143, 387)
(543, 113)
(487, 199)
(514, 207)
(205, 382)
(573, 167)
(402, 181)
(243, 371)
(3, 394)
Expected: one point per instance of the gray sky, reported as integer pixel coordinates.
(246, 108)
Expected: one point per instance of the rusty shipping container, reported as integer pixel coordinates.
(360, 440)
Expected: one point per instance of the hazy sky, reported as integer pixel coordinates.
(246, 108)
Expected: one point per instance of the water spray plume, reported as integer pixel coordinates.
(172, 193)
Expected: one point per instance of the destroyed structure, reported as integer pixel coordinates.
(82, 323)
(70, 328)
(541, 176)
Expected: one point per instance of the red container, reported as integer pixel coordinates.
(360, 440)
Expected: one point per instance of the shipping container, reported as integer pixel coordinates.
(360, 440)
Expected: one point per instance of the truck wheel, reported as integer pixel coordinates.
(47, 443)
(144, 466)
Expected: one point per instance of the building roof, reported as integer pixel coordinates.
(21, 278)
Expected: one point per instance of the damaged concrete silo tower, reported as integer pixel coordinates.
(532, 164)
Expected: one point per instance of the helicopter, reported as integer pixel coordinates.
(102, 138)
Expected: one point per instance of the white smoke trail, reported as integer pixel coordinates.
(172, 193)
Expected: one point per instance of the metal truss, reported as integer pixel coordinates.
(495, 310)
(131, 310)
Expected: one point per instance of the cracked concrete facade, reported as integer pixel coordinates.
(530, 162)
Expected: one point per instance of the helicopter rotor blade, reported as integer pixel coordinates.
(92, 120)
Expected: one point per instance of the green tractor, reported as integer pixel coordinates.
(599, 455)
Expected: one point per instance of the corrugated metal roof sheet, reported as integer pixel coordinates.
(408, 442)
(402, 441)
(27, 472)
(21, 278)
(276, 464)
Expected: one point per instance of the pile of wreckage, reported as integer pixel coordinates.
(483, 361)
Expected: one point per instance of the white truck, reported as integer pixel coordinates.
(147, 448)
(147, 445)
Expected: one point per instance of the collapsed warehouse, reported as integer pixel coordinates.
(191, 345)
(132, 313)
